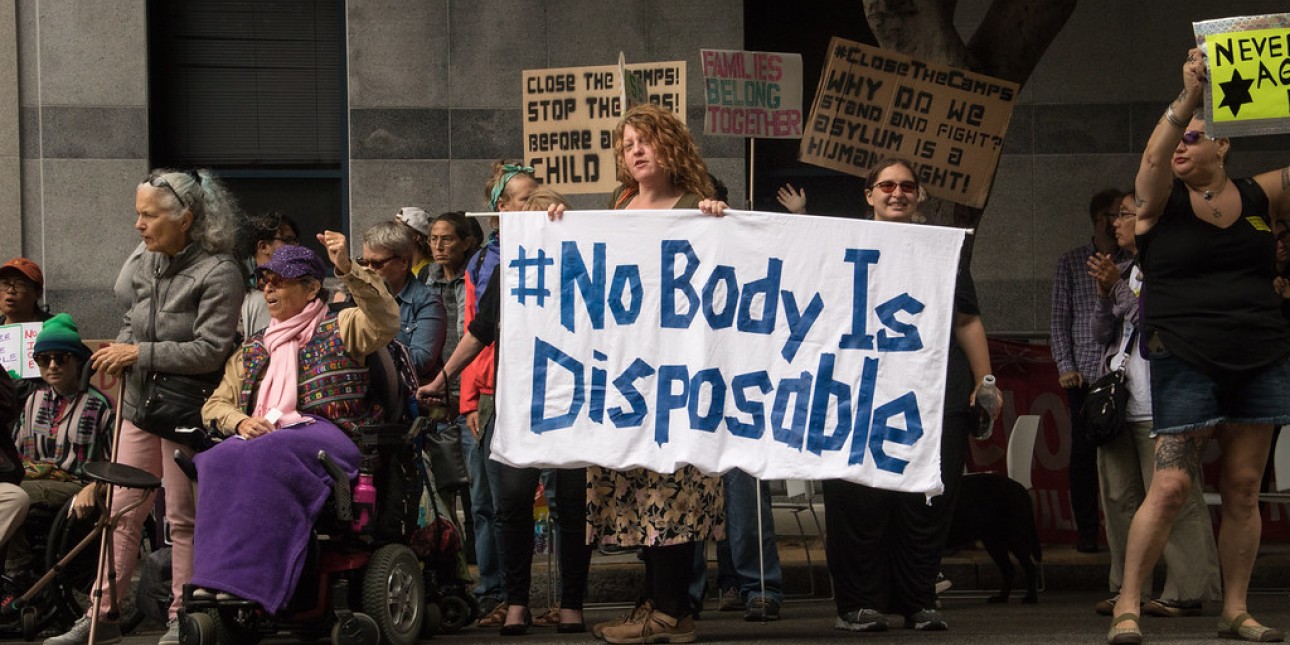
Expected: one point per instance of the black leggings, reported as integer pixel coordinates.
(515, 528)
(668, 570)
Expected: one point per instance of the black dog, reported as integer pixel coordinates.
(996, 510)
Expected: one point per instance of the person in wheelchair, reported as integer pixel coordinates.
(63, 425)
(296, 388)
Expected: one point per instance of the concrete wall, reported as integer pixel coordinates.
(435, 85)
(1083, 120)
(84, 146)
(10, 163)
(434, 98)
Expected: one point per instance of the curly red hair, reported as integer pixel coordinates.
(674, 147)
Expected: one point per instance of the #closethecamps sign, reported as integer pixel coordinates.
(570, 114)
(1249, 74)
(659, 338)
(872, 104)
(752, 94)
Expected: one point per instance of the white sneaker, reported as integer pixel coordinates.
(171, 637)
(105, 634)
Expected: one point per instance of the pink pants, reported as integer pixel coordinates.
(155, 455)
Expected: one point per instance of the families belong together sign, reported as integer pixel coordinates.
(660, 338)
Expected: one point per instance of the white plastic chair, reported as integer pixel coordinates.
(1021, 448)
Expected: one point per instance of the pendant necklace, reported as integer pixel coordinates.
(1209, 195)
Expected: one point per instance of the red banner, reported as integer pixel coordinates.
(1027, 376)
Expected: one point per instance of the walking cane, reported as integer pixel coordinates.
(96, 595)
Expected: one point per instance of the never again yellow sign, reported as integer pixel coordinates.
(1249, 73)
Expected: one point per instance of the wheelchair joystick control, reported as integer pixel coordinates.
(364, 500)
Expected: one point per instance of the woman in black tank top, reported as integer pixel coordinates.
(1219, 347)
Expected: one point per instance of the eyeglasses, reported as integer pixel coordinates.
(289, 241)
(160, 182)
(1125, 215)
(16, 286)
(272, 279)
(44, 359)
(890, 186)
(443, 240)
(375, 264)
(1193, 137)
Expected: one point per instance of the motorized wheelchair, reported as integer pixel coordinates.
(361, 584)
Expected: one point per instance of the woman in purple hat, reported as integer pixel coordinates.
(298, 387)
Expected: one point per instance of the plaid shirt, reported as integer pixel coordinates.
(56, 435)
(1074, 304)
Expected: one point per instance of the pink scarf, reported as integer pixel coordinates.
(283, 338)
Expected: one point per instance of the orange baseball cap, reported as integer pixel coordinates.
(28, 269)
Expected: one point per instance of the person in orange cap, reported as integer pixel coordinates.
(22, 284)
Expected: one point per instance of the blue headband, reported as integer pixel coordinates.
(508, 172)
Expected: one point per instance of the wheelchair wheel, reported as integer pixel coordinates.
(432, 622)
(360, 629)
(71, 587)
(457, 613)
(197, 628)
(234, 628)
(394, 594)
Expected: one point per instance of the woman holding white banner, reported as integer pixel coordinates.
(884, 547)
(1206, 244)
(659, 168)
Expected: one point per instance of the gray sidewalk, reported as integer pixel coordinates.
(615, 579)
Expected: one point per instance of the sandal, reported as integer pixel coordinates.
(1124, 635)
(548, 619)
(1238, 629)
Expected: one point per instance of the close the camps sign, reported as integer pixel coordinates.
(872, 104)
(1248, 92)
(660, 338)
(570, 114)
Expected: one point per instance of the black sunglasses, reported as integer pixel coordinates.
(159, 181)
(375, 265)
(58, 358)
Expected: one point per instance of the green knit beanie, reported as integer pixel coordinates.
(59, 334)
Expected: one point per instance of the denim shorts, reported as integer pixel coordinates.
(1184, 398)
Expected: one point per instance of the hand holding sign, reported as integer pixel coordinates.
(1244, 75)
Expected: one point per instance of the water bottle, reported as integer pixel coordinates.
(364, 502)
(541, 523)
(988, 399)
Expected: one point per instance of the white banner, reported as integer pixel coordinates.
(790, 346)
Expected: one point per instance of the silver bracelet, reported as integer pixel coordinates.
(1173, 118)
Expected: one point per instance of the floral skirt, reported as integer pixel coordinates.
(640, 507)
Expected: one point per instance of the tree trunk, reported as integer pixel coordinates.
(1008, 44)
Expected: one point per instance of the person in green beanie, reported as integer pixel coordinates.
(63, 425)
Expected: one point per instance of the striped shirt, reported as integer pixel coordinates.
(56, 434)
(1074, 302)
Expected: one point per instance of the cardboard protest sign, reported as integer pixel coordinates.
(659, 338)
(569, 119)
(752, 94)
(872, 104)
(1249, 74)
(16, 343)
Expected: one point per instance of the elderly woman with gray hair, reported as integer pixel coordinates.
(187, 290)
(388, 250)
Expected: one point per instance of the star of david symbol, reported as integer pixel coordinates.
(1236, 92)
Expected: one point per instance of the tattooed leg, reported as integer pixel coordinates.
(1177, 457)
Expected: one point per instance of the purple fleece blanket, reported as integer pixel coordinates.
(256, 503)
